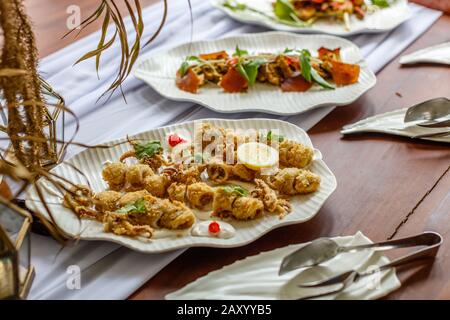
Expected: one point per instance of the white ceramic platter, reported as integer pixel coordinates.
(159, 72)
(90, 162)
(257, 277)
(380, 20)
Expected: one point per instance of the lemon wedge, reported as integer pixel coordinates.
(256, 155)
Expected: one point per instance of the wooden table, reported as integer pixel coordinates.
(387, 186)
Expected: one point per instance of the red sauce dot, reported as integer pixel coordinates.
(175, 139)
(214, 227)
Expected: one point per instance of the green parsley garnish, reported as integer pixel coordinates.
(305, 64)
(234, 6)
(148, 149)
(187, 63)
(284, 10)
(137, 207)
(239, 53)
(249, 69)
(381, 3)
(238, 190)
(272, 136)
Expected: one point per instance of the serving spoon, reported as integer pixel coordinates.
(429, 111)
(340, 282)
(324, 249)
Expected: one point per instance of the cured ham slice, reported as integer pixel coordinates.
(214, 55)
(233, 81)
(296, 84)
(344, 73)
(190, 82)
(329, 54)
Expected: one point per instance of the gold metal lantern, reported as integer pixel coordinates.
(16, 272)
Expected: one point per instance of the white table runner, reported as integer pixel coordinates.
(107, 270)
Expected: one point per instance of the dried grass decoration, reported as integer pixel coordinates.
(109, 12)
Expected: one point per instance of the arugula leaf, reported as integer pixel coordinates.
(234, 6)
(238, 190)
(272, 136)
(288, 50)
(251, 69)
(148, 149)
(137, 207)
(381, 3)
(239, 52)
(284, 10)
(321, 81)
(241, 70)
(305, 64)
(187, 63)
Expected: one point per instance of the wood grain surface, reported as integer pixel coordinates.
(387, 186)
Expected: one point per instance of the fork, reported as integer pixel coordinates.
(344, 280)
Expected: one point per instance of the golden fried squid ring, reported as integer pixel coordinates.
(240, 207)
(243, 173)
(294, 154)
(293, 181)
(156, 185)
(269, 197)
(154, 162)
(199, 194)
(220, 172)
(106, 200)
(114, 175)
(223, 201)
(168, 214)
(80, 199)
(119, 223)
(131, 197)
(135, 176)
(177, 191)
(246, 208)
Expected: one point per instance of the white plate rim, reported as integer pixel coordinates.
(282, 27)
(174, 95)
(207, 242)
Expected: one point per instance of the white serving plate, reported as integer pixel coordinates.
(381, 20)
(159, 72)
(256, 277)
(90, 163)
(393, 123)
(435, 54)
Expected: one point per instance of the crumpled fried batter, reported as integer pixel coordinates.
(119, 223)
(220, 172)
(135, 176)
(292, 181)
(271, 200)
(106, 200)
(294, 154)
(177, 191)
(240, 207)
(114, 175)
(157, 185)
(80, 199)
(199, 194)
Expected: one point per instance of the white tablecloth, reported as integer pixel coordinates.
(107, 270)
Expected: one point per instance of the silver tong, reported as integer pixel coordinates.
(323, 249)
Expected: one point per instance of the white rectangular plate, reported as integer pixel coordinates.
(381, 20)
(159, 72)
(90, 162)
